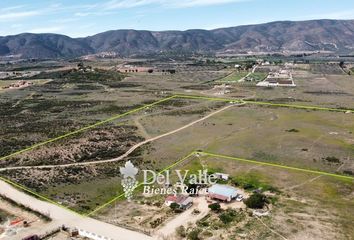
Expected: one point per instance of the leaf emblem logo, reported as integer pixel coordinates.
(129, 170)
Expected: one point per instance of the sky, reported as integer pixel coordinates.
(80, 18)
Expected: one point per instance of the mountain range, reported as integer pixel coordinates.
(283, 36)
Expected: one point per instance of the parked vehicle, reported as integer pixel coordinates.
(239, 198)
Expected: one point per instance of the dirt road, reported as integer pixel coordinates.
(127, 153)
(169, 229)
(253, 70)
(62, 216)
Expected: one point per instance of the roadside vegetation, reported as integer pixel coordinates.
(4, 216)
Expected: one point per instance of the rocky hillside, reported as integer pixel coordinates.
(314, 35)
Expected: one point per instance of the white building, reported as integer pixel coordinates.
(222, 176)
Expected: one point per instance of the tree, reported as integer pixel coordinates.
(256, 200)
(174, 206)
(341, 64)
(214, 207)
(150, 70)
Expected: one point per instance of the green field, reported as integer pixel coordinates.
(257, 76)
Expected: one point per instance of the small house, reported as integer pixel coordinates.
(184, 202)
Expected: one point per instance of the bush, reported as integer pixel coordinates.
(194, 234)
(228, 216)
(174, 206)
(293, 130)
(251, 182)
(196, 211)
(181, 231)
(214, 207)
(256, 200)
(156, 222)
(202, 223)
(332, 159)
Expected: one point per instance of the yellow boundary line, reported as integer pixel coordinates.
(233, 100)
(86, 128)
(175, 164)
(237, 159)
(278, 165)
(209, 154)
(139, 185)
(236, 100)
(38, 195)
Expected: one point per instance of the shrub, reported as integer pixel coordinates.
(194, 234)
(214, 207)
(181, 231)
(251, 182)
(256, 200)
(228, 216)
(203, 223)
(174, 206)
(156, 222)
(293, 130)
(196, 211)
(332, 159)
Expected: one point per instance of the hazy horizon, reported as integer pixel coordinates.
(89, 17)
(167, 30)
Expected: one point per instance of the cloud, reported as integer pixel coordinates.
(6, 9)
(198, 3)
(120, 4)
(18, 15)
(65, 20)
(83, 14)
(109, 7)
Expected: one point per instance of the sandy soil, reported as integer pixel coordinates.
(169, 228)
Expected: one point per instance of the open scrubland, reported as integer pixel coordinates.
(81, 171)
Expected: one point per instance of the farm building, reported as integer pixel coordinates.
(222, 176)
(282, 78)
(184, 202)
(222, 192)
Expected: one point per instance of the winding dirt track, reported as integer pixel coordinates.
(127, 153)
(62, 216)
